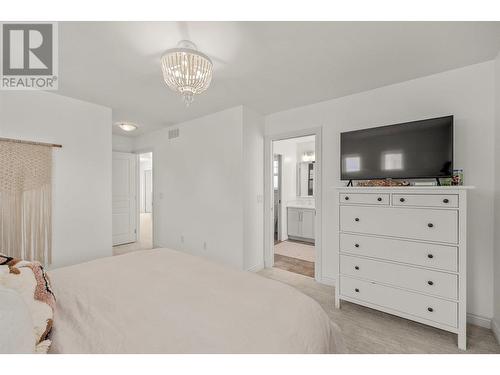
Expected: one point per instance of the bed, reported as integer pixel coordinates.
(166, 301)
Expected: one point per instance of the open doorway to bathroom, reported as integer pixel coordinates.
(294, 212)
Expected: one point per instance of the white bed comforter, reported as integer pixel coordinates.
(165, 301)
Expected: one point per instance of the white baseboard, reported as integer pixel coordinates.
(495, 327)
(478, 320)
(256, 268)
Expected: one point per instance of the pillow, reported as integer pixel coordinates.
(29, 280)
(16, 326)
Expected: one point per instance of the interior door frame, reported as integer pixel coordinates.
(280, 196)
(148, 172)
(269, 196)
(153, 200)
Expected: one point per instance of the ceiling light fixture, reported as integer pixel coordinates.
(186, 70)
(127, 126)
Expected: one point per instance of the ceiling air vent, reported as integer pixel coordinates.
(173, 133)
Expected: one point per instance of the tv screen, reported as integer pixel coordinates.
(417, 149)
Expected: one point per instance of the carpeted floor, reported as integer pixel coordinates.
(370, 331)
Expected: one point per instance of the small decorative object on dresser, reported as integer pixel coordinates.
(386, 182)
(458, 177)
(402, 250)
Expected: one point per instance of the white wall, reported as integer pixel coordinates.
(253, 189)
(466, 93)
(496, 260)
(81, 215)
(208, 186)
(122, 143)
(198, 182)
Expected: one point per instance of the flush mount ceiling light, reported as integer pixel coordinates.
(127, 126)
(186, 70)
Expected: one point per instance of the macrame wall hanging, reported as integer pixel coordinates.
(26, 200)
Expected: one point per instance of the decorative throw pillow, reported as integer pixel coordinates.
(32, 283)
(16, 325)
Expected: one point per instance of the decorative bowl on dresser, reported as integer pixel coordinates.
(403, 250)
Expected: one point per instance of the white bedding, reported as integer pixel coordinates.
(165, 301)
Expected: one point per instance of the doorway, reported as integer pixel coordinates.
(133, 203)
(277, 166)
(294, 199)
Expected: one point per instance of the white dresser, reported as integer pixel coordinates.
(402, 250)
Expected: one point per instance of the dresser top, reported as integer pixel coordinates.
(405, 188)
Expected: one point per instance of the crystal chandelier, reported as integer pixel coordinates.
(186, 70)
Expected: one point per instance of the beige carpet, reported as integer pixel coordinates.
(295, 250)
(370, 331)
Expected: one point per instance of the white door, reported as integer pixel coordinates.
(124, 198)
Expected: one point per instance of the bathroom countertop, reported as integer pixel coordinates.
(301, 205)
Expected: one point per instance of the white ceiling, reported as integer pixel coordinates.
(268, 66)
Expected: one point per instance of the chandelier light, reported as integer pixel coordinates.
(186, 70)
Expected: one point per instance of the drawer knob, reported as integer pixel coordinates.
(430, 225)
(430, 309)
(430, 282)
(356, 245)
(401, 199)
(356, 219)
(346, 198)
(356, 267)
(379, 199)
(445, 200)
(356, 290)
(430, 256)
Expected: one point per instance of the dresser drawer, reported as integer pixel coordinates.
(425, 200)
(414, 223)
(440, 284)
(417, 253)
(362, 198)
(401, 301)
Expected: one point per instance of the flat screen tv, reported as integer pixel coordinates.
(417, 149)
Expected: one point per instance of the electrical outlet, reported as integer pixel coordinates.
(204, 245)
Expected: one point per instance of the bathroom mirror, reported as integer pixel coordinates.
(305, 179)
